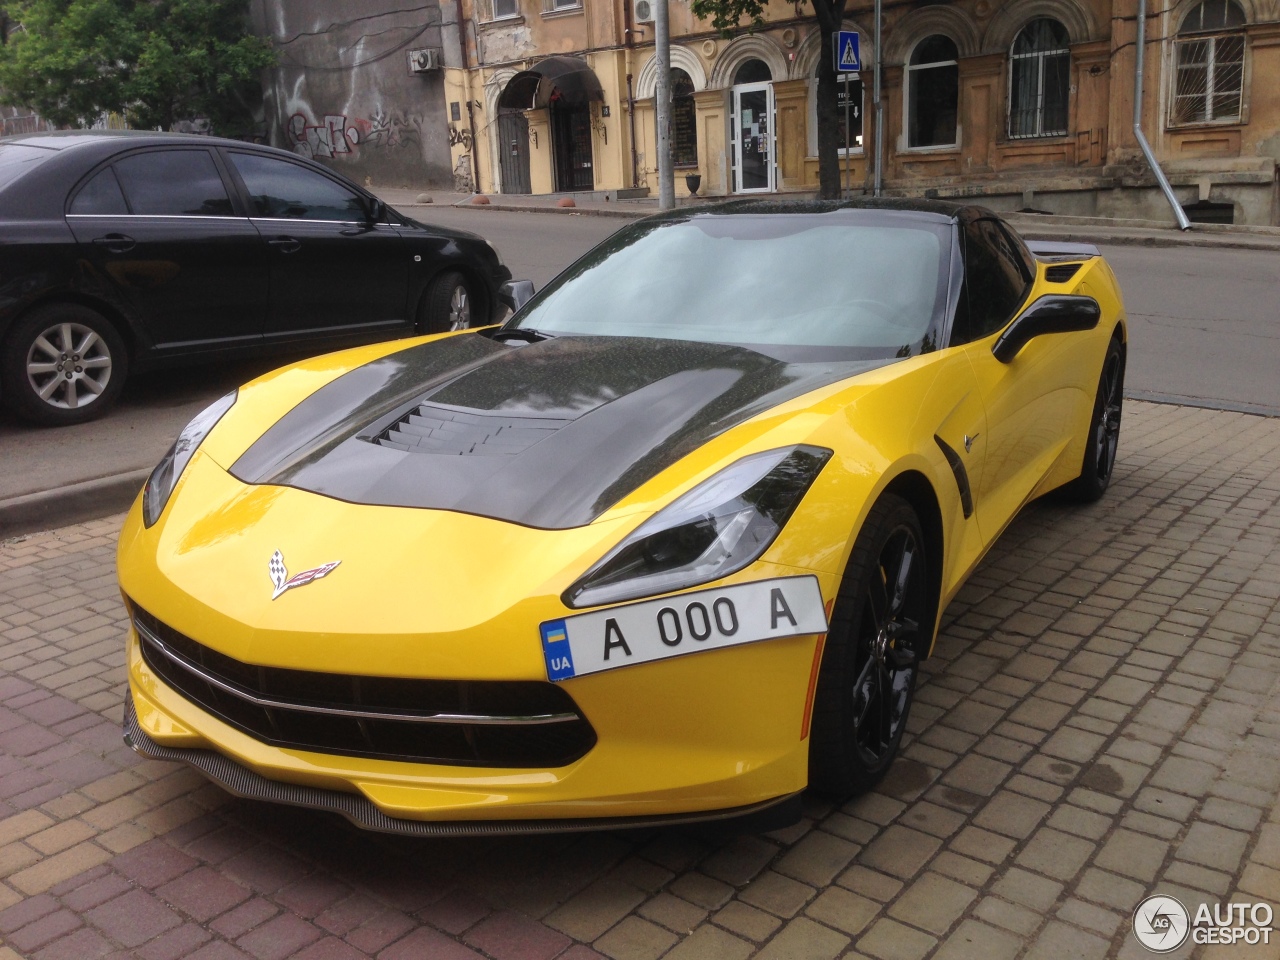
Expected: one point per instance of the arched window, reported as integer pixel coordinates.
(1209, 64)
(684, 120)
(933, 92)
(1039, 80)
(752, 71)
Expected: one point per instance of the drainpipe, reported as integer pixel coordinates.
(1178, 212)
(628, 36)
(631, 112)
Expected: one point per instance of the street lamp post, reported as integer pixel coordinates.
(662, 106)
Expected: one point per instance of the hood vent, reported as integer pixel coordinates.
(435, 428)
(1061, 272)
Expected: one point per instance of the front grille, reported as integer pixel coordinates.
(1061, 272)
(489, 723)
(435, 428)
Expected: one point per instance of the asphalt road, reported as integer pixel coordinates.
(1203, 327)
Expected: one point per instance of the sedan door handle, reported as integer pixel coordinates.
(116, 242)
(286, 244)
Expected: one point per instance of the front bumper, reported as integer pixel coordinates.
(243, 782)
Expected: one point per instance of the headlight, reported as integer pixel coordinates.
(165, 476)
(721, 525)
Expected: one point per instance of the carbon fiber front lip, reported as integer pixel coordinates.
(243, 782)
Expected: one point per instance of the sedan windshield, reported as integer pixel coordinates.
(858, 283)
(17, 158)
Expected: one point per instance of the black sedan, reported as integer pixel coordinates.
(125, 251)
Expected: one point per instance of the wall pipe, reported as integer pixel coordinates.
(1178, 212)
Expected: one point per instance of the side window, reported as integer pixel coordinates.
(281, 189)
(101, 196)
(995, 282)
(174, 183)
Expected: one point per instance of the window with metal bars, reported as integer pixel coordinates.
(1039, 80)
(1209, 65)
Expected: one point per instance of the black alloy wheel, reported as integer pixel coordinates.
(1104, 431)
(879, 632)
(448, 305)
(62, 364)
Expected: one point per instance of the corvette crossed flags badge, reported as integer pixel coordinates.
(281, 580)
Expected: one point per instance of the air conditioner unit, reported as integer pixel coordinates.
(420, 61)
(643, 11)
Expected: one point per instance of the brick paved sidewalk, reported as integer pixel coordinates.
(1101, 722)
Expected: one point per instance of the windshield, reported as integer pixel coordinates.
(16, 159)
(856, 283)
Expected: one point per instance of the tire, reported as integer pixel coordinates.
(1104, 432)
(448, 305)
(62, 364)
(880, 630)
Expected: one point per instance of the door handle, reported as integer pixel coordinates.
(286, 244)
(116, 242)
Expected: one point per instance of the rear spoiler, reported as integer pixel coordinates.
(1062, 250)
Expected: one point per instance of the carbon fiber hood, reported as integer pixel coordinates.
(548, 434)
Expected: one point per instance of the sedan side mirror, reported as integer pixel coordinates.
(516, 293)
(1058, 313)
(377, 210)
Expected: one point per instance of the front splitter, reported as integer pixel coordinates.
(242, 782)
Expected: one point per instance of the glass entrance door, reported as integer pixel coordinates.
(753, 166)
(571, 139)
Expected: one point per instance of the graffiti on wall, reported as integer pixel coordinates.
(337, 135)
(459, 137)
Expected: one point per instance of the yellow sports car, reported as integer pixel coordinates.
(668, 545)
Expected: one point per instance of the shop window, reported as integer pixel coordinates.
(684, 120)
(933, 91)
(1209, 64)
(1039, 80)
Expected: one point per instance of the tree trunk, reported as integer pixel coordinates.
(830, 14)
(828, 118)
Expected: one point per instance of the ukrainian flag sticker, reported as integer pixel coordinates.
(556, 651)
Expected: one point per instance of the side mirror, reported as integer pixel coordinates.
(1051, 314)
(516, 293)
(377, 210)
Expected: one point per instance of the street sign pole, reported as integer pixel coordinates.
(848, 174)
(848, 60)
(879, 163)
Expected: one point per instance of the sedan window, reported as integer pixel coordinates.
(174, 183)
(283, 190)
(101, 196)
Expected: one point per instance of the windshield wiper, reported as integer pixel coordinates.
(528, 334)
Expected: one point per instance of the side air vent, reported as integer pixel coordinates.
(961, 475)
(1061, 272)
(435, 428)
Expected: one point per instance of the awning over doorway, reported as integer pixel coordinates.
(567, 80)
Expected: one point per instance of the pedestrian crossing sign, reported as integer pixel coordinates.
(848, 59)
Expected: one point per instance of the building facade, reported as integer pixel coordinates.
(346, 92)
(1018, 104)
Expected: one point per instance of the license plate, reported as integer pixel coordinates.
(688, 623)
